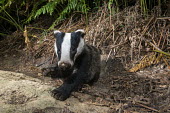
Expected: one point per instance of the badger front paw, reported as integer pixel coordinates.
(60, 94)
(46, 72)
(50, 72)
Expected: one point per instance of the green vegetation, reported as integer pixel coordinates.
(58, 8)
(15, 14)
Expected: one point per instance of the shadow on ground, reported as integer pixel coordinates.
(135, 92)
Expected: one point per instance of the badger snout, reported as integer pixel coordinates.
(64, 66)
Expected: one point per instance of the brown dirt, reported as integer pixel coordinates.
(116, 91)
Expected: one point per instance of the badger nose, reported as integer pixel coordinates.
(64, 66)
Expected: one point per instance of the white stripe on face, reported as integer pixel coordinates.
(65, 49)
(55, 48)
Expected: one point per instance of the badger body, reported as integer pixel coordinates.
(78, 63)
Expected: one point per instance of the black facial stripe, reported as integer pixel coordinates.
(59, 40)
(75, 40)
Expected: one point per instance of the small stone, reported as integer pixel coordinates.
(39, 74)
(163, 66)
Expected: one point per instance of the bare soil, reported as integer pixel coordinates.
(117, 91)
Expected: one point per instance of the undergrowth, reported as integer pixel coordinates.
(126, 34)
(16, 14)
(117, 27)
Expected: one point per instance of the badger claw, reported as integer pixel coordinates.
(59, 94)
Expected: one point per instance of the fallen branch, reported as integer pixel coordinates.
(150, 108)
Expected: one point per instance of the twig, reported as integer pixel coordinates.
(153, 45)
(98, 27)
(98, 104)
(38, 65)
(139, 104)
(52, 57)
(148, 41)
(109, 55)
(144, 31)
(147, 107)
(38, 28)
(160, 51)
(103, 39)
(112, 49)
(163, 18)
(118, 45)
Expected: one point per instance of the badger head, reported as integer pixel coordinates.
(68, 46)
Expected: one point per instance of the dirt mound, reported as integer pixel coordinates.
(22, 93)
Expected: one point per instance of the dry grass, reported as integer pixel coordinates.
(125, 33)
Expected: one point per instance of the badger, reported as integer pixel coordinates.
(78, 63)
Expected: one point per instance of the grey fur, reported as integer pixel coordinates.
(86, 70)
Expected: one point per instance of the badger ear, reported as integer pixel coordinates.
(56, 32)
(81, 31)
